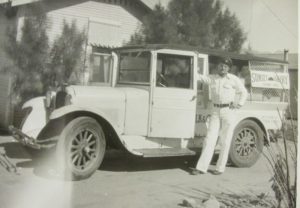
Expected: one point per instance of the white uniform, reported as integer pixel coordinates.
(222, 121)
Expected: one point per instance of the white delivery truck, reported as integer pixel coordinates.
(154, 107)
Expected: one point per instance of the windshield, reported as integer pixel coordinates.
(134, 67)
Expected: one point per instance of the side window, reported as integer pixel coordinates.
(134, 67)
(174, 71)
(100, 68)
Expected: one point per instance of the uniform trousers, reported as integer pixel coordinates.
(221, 124)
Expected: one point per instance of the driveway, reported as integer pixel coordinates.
(123, 181)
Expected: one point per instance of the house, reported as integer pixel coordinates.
(106, 23)
(293, 72)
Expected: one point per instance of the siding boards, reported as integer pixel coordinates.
(106, 24)
(56, 22)
(104, 33)
(122, 24)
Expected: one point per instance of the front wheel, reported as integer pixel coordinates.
(80, 149)
(247, 144)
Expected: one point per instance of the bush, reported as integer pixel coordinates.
(66, 56)
(29, 54)
(37, 66)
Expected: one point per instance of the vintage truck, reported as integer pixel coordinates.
(153, 107)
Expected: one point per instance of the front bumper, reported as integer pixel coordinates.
(31, 142)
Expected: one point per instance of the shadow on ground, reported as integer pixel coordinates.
(128, 163)
(115, 161)
(15, 150)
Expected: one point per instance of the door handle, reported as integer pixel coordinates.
(193, 98)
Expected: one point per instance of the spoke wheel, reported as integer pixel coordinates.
(84, 149)
(247, 144)
(81, 148)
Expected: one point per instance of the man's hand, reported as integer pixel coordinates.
(234, 106)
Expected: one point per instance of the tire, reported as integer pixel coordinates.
(247, 144)
(80, 149)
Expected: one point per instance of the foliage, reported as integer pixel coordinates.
(228, 33)
(29, 53)
(37, 66)
(66, 56)
(283, 162)
(193, 22)
(158, 27)
(284, 167)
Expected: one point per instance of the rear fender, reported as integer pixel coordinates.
(261, 125)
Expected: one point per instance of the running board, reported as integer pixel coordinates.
(165, 152)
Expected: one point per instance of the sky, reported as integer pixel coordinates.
(270, 25)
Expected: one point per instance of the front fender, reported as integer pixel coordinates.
(111, 117)
(36, 120)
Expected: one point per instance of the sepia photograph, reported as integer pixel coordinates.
(148, 103)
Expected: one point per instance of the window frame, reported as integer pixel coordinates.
(119, 69)
(191, 69)
(110, 70)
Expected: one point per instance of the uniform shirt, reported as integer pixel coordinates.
(224, 89)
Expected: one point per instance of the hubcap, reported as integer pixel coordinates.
(84, 149)
(245, 142)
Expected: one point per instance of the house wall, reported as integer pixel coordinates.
(106, 24)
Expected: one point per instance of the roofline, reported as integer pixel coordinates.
(13, 4)
(212, 52)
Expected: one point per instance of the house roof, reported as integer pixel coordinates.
(212, 52)
(17, 2)
(148, 3)
(292, 58)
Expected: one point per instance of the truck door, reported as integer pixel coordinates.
(173, 95)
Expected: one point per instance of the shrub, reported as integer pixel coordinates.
(66, 56)
(29, 54)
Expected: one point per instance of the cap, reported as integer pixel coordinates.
(226, 60)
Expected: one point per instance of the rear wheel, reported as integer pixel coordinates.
(80, 149)
(247, 144)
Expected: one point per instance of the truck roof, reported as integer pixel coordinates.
(212, 52)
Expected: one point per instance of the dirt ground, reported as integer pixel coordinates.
(123, 181)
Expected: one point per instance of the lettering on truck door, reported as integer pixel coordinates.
(202, 111)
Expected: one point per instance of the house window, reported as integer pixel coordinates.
(100, 68)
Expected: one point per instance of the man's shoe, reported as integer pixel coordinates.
(196, 172)
(216, 172)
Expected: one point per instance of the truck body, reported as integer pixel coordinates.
(155, 107)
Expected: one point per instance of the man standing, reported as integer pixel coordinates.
(223, 87)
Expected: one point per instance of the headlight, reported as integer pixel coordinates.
(68, 99)
(48, 99)
(62, 99)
